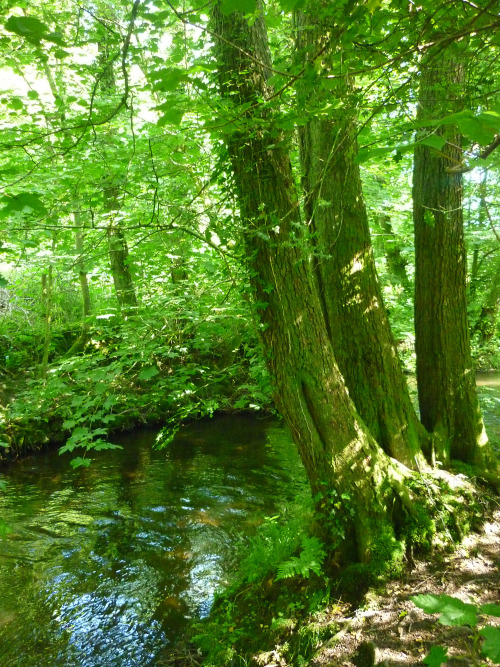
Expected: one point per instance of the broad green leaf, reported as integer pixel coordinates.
(148, 373)
(78, 462)
(16, 103)
(453, 611)
(366, 154)
(291, 5)
(490, 609)
(100, 445)
(23, 202)
(55, 38)
(436, 656)
(172, 116)
(373, 5)
(169, 78)
(433, 141)
(27, 26)
(477, 130)
(3, 485)
(244, 6)
(491, 645)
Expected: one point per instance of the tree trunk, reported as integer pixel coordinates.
(82, 339)
(82, 275)
(338, 452)
(47, 307)
(118, 257)
(117, 244)
(344, 265)
(396, 263)
(446, 383)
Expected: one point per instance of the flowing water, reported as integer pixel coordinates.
(104, 564)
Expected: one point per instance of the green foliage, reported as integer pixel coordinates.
(266, 596)
(310, 559)
(455, 612)
(333, 509)
(272, 550)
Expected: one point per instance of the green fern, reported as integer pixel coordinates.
(309, 560)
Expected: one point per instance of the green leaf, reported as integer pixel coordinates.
(245, 6)
(453, 611)
(148, 373)
(23, 202)
(291, 5)
(366, 154)
(3, 485)
(433, 141)
(169, 78)
(78, 462)
(27, 26)
(16, 103)
(491, 646)
(436, 656)
(100, 445)
(490, 609)
(172, 116)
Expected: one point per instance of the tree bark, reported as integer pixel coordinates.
(396, 263)
(118, 257)
(117, 244)
(47, 306)
(446, 384)
(338, 451)
(344, 265)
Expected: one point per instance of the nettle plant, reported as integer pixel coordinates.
(454, 612)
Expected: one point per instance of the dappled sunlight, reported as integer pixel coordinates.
(374, 305)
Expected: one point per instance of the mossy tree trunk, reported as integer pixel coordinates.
(344, 264)
(446, 384)
(117, 244)
(47, 308)
(339, 453)
(396, 262)
(119, 257)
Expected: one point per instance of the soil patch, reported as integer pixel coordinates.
(399, 632)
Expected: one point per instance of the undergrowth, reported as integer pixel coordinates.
(278, 584)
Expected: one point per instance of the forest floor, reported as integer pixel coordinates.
(403, 634)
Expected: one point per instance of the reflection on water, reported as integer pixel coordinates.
(104, 564)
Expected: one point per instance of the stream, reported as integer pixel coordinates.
(105, 565)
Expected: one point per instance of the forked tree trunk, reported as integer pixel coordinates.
(338, 452)
(350, 292)
(446, 384)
